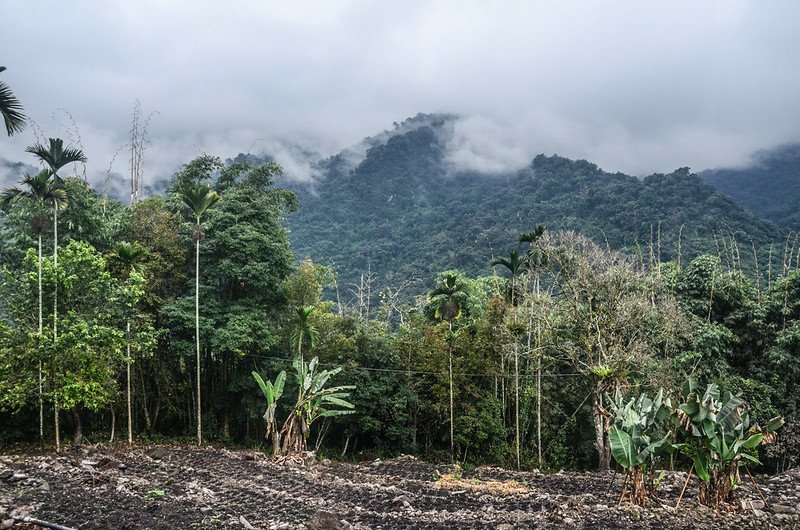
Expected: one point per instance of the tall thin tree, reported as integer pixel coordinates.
(128, 257)
(448, 299)
(199, 198)
(55, 156)
(38, 190)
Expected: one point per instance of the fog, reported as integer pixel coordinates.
(632, 86)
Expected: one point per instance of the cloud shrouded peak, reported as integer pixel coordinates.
(634, 87)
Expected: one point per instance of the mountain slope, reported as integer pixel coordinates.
(402, 214)
(770, 187)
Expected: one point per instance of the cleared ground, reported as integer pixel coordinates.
(177, 488)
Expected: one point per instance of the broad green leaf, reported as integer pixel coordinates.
(622, 448)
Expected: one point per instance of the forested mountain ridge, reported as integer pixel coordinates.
(770, 187)
(404, 214)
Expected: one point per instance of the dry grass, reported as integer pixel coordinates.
(492, 487)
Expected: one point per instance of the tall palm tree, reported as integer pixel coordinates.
(199, 198)
(535, 260)
(55, 157)
(448, 300)
(38, 190)
(129, 257)
(11, 109)
(515, 265)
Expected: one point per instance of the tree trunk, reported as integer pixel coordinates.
(41, 334)
(113, 425)
(130, 415)
(601, 442)
(77, 438)
(450, 374)
(197, 331)
(55, 315)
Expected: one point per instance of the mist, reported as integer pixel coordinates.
(633, 87)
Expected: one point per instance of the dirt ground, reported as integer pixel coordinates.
(187, 488)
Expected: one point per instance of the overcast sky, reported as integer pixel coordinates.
(634, 86)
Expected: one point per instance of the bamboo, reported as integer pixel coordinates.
(684, 488)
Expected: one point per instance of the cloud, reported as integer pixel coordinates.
(633, 86)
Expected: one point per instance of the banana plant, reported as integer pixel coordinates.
(719, 438)
(272, 392)
(638, 436)
(314, 401)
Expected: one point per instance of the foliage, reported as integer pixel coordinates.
(272, 393)
(638, 435)
(314, 401)
(719, 438)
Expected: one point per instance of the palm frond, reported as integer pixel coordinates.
(198, 197)
(11, 109)
(55, 155)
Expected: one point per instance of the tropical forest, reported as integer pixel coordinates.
(396, 339)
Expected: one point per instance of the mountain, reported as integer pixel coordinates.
(769, 187)
(403, 214)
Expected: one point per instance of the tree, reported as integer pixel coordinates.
(610, 324)
(11, 109)
(38, 190)
(55, 157)
(448, 300)
(128, 257)
(303, 329)
(199, 198)
(515, 265)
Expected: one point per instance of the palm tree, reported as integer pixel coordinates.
(199, 198)
(128, 256)
(37, 189)
(55, 156)
(11, 109)
(448, 300)
(515, 264)
(304, 330)
(535, 260)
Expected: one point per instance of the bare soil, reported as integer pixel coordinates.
(189, 488)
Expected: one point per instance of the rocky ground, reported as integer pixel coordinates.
(183, 488)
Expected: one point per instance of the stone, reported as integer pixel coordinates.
(6, 474)
(245, 523)
(158, 453)
(757, 504)
(781, 508)
(8, 523)
(323, 520)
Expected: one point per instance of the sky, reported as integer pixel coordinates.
(634, 86)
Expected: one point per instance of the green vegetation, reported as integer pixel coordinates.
(509, 360)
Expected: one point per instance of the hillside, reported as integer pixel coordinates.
(403, 214)
(770, 187)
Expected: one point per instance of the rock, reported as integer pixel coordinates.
(759, 513)
(569, 521)
(8, 523)
(752, 504)
(17, 477)
(157, 453)
(781, 508)
(244, 522)
(89, 463)
(323, 520)
(205, 509)
(6, 474)
(326, 462)
(504, 526)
